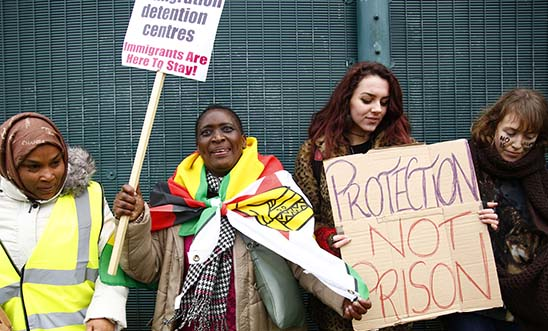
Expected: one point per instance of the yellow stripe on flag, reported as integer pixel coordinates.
(280, 208)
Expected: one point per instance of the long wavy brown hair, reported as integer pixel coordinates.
(528, 105)
(333, 120)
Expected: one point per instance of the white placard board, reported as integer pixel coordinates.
(174, 37)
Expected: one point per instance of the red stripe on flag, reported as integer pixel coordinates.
(284, 233)
(268, 183)
(163, 217)
(182, 192)
(271, 164)
(194, 203)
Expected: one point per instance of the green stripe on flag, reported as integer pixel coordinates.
(360, 284)
(121, 278)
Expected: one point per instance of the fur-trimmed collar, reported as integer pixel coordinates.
(81, 167)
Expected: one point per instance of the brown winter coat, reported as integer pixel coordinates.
(159, 257)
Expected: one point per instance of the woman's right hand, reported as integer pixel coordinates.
(128, 202)
(355, 310)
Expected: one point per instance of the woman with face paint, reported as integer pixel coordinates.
(508, 147)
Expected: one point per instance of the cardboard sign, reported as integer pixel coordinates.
(416, 236)
(172, 36)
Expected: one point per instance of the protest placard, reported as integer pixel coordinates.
(172, 36)
(169, 37)
(416, 236)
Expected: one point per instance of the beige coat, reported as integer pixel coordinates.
(159, 257)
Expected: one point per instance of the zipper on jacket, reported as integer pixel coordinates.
(33, 205)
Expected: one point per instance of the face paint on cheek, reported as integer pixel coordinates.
(527, 145)
(504, 141)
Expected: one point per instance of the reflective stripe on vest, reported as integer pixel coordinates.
(58, 279)
(9, 291)
(56, 320)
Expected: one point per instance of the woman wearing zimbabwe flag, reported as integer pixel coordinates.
(197, 236)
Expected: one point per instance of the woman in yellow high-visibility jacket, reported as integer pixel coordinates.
(54, 221)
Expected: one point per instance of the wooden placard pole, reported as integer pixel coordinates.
(136, 170)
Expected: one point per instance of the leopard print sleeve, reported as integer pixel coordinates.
(304, 176)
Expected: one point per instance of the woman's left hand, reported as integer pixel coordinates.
(100, 324)
(488, 215)
(340, 240)
(355, 310)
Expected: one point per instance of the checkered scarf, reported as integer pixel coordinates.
(206, 285)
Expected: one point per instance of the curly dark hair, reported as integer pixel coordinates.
(332, 121)
(527, 104)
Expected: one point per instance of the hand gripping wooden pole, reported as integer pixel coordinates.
(136, 170)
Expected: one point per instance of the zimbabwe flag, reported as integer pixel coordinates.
(261, 201)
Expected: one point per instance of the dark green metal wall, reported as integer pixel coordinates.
(455, 57)
(274, 62)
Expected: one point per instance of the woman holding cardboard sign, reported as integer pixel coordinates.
(206, 269)
(364, 111)
(508, 145)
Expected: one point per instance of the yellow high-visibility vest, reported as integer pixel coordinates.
(54, 288)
